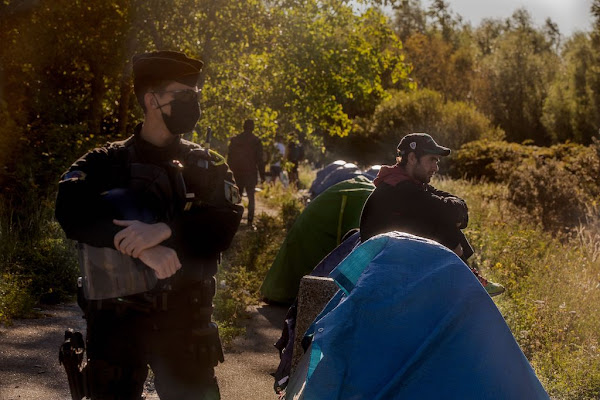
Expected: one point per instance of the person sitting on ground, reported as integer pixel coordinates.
(403, 200)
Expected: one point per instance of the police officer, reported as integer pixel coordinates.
(131, 199)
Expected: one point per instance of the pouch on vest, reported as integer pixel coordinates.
(213, 198)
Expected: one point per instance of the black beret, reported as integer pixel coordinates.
(165, 65)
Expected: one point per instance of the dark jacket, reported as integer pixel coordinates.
(86, 214)
(245, 156)
(400, 203)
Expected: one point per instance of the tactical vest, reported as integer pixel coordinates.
(198, 186)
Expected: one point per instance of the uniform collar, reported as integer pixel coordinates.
(147, 152)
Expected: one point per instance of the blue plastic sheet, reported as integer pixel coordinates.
(413, 323)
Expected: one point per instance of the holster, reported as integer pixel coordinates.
(209, 344)
(71, 356)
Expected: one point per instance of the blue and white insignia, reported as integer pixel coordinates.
(74, 175)
(413, 145)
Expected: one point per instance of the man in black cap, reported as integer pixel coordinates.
(403, 200)
(245, 156)
(148, 205)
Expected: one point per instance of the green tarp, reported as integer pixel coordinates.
(317, 231)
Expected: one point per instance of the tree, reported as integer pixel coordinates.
(65, 77)
(409, 18)
(513, 81)
(451, 124)
(571, 111)
(330, 65)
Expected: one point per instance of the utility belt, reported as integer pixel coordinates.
(196, 296)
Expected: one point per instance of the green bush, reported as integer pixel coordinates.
(552, 297)
(551, 193)
(450, 123)
(15, 298)
(485, 159)
(290, 210)
(51, 266)
(242, 271)
(43, 270)
(554, 184)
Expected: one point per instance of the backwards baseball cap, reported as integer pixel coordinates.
(421, 143)
(164, 65)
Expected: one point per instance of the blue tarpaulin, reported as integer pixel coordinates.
(411, 321)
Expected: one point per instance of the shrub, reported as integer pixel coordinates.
(450, 123)
(43, 270)
(51, 265)
(290, 210)
(490, 160)
(552, 299)
(15, 299)
(242, 272)
(549, 192)
(554, 184)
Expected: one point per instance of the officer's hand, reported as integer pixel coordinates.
(163, 260)
(139, 236)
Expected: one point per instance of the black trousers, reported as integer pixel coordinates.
(248, 183)
(179, 344)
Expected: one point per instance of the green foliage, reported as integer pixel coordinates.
(275, 194)
(243, 269)
(552, 299)
(513, 80)
(489, 160)
(48, 265)
(549, 192)
(15, 299)
(555, 185)
(329, 65)
(571, 109)
(290, 210)
(450, 123)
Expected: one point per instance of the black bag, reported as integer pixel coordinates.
(71, 356)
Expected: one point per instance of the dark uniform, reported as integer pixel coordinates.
(245, 157)
(168, 326)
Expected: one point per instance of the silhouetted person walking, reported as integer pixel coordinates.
(245, 158)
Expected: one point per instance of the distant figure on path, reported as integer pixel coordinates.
(278, 157)
(295, 154)
(245, 158)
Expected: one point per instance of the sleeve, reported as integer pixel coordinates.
(80, 209)
(451, 209)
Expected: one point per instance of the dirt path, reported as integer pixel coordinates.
(29, 368)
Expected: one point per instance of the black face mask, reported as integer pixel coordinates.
(185, 113)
